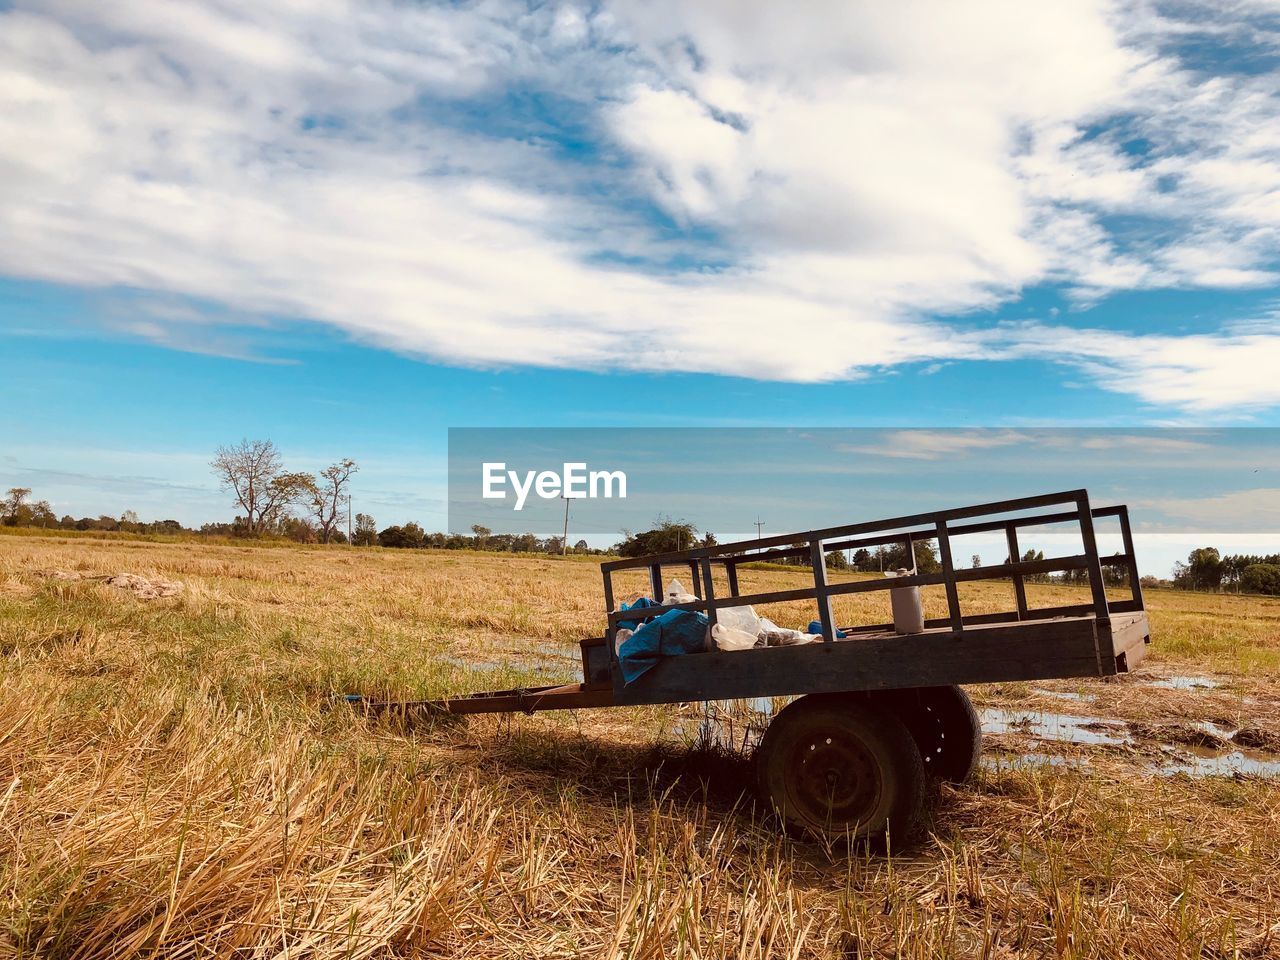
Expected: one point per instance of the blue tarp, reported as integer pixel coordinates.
(639, 604)
(815, 627)
(674, 633)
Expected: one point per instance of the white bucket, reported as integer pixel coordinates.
(908, 608)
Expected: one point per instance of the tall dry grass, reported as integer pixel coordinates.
(176, 780)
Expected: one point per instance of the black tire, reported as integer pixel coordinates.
(834, 767)
(945, 727)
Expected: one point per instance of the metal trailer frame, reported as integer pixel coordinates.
(1095, 639)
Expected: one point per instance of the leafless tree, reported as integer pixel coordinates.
(326, 497)
(251, 470)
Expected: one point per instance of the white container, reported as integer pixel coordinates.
(908, 608)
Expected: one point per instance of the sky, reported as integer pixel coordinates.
(1184, 487)
(1173, 480)
(350, 226)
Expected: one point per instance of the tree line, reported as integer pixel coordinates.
(1207, 569)
(18, 510)
(412, 536)
(279, 503)
(274, 502)
(672, 536)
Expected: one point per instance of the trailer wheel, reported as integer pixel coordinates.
(834, 767)
(946, 728)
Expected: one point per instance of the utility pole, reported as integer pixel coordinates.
(348, 519)
(759, 526)
(564, 544)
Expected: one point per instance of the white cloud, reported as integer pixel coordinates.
(1145, 443)
(1249, 511)
(859, 171)
(698, 168)
(1199, 373)
(938, 444)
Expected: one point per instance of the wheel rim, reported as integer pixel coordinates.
(932, 740)
(833, 779)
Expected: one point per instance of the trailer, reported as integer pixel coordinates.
(878, 713)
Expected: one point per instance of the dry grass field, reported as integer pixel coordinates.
(180, 778)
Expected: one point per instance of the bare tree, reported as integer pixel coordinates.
(325, 497)
(251, 470)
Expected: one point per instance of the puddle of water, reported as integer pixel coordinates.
(1066, 695)
(474, 666)
(1221, 765)
(1184, 683)
(526, 656)
(531, 650)
(1026, 760)
(1202, 751)
(1214, 765)
(1053, 726)
(518, 674)
(1224, 730)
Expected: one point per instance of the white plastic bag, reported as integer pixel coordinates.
(676, 593)
(792, 638)
(621, 637)
(776, 636)
(739, 618)
(727, 638)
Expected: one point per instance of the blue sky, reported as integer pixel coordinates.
(1185, 488)
(351, 226)
(1201, 481)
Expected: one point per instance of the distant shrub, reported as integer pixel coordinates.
(1261, 578)
(410, 535)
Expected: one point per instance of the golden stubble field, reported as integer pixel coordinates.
(179, 778)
